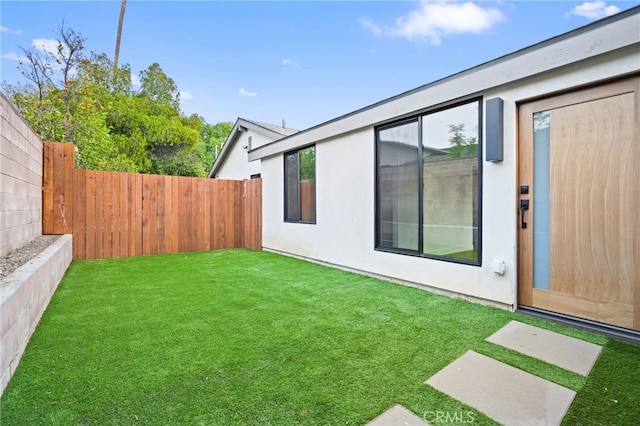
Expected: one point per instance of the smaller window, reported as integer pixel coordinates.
(300, 185)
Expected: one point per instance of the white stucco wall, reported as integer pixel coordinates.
(344, 232)
(236, 165)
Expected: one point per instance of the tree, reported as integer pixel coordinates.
(43, 112)
(213, 136)
(99, 70)
(156, 85)
(69, 97)
(123, 6)
(462, 146)
(42, 68)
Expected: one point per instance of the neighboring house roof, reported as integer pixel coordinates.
(285, 131)
(241, 126)
(615, 33)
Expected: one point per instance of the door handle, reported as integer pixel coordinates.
(524, 206)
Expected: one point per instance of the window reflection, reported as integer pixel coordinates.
(428, 184)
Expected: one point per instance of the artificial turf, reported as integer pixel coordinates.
(251, 338)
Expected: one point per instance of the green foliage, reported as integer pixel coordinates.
(86, 100)
(99, 70)
(178, 162)
(308, 163)
(462, 146)
(45, 116)
(213, 136)
(158, 86)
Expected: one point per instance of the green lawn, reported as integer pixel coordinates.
(253, 338)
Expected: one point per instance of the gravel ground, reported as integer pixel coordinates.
(19, 257)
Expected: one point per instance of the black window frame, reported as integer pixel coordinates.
(377, 219)
(287, 219)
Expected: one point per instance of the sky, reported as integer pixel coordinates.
(304, 62)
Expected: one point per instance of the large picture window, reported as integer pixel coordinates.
(428, 184)
(300, 185)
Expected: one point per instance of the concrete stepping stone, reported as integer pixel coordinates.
(504, 393)
(566, 352)
(397, 416)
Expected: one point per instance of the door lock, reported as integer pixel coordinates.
(524, 206)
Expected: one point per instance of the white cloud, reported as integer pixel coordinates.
(46, 45)
(371, 26)
(289, 63)
(245, 92)
(12, 56)
(186, 96)
(433, 20)
(5, 30)
(135, 80)
(372, 51)
(594, 10)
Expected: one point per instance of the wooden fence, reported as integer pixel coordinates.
(113, 214)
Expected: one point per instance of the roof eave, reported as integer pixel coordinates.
(241, 125)
(559, 51)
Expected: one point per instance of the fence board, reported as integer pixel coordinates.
(123, 213)
(57, 200)
(252, 233)
(158, 225)
(173, 203)
(90, 214)
(107, 235)
(68, 196)
(47, 196)
(137, 218)
(58, 188)
(198, 213)
(114, 214)
(99, 194)
(79, 219)
(183, 193)
(206, 214)
(236, 199)
(147, 213)
(224, 203)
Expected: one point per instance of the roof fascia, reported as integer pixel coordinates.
(600, 37)
(241, 126)
(272, 134)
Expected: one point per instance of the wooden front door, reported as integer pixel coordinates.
(579, 204)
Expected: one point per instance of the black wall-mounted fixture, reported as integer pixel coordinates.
(495, 129)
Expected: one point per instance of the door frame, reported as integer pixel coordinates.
(524, 246)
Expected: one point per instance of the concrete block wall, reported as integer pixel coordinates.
(25, 293)
(20, 180)
(24, 296)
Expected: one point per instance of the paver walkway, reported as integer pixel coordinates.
(397, 416)
(567, 352)
(505, 393)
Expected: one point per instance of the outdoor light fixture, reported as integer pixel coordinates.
(495, 126)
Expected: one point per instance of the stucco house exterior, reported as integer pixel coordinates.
(232, 162)
(514, 183)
